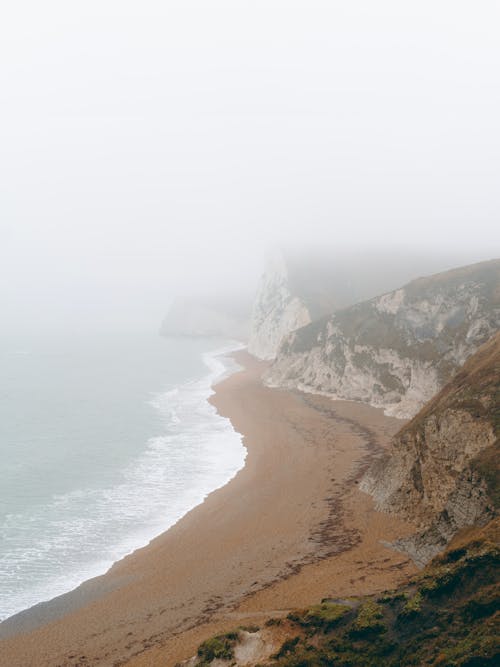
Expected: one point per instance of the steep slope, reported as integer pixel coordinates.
(442, 472)
(296, 289)
(276, 310)
(397, 350)
(447, 616)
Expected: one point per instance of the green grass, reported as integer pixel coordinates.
(221, 647)
(413, 606)
(447, 616)
(369, 621)
(321, 616)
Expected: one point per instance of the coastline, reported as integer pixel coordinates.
(288, 529)
(110, 521)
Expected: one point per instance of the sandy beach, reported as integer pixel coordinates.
(289, 529)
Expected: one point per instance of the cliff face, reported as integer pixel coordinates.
(397, 350)
(298, 289)
(443, 470)
(276, 311)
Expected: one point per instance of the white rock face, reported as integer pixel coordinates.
(409, 383)
(276, 311)
(392, 302)
(395, 351)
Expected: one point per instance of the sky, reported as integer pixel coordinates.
(152, 148)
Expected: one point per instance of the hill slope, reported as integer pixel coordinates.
(296, 289)
(397, 350)
(447, 616)
(442, 472)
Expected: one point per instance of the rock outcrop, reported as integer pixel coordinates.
(442, 472)
(397, 350)
(297, 289)
(276, 311)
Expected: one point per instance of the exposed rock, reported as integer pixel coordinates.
(276, 311)
(296, 290)
(397, 350)
(467, 505)
(240, 648)
(442, 470)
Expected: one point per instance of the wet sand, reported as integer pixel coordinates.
(289, 529)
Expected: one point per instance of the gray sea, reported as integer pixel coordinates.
(105, 442)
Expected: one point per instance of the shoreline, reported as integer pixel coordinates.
(219, 364)
(292, 510)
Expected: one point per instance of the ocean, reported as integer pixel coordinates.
(105, 442)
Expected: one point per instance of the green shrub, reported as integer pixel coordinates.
(325, 615)
(273, 621)
(369, 620)
(413, 605)
(217, 647)
(287, 647)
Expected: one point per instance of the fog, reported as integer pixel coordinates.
(152, 148)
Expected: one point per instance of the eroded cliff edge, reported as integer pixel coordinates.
(442, 474)
(277, 310)
(442, 471)
(397, 350)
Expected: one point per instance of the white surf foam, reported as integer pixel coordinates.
(79, 535)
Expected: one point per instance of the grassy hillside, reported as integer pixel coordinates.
(364, 324)
(447, 616)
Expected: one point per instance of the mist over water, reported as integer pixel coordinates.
(163, 148)
(156, 148)
(106, 442)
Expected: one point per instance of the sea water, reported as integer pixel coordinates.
(105, 442)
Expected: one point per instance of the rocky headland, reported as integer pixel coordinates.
(397, 350)
(309, 557)
(431, 351)
(441, 474)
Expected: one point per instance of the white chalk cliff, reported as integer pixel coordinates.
(276, 311)
(394, 351)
